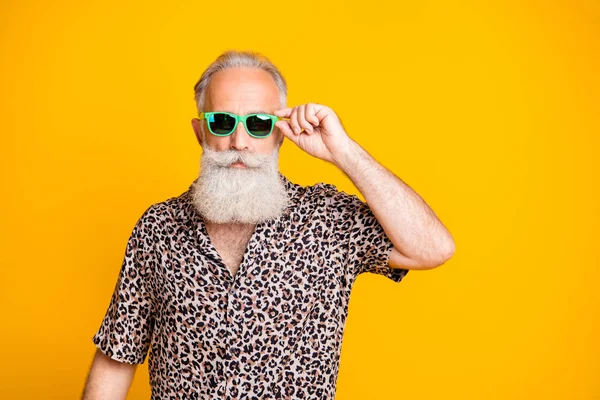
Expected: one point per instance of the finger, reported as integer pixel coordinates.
(302, 120)
(311, 114)
(283, 112)
(294, 121)
(284, 126)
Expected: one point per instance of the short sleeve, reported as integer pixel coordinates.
(360, 237)
(126, 330)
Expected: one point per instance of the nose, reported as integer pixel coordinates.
(240, 139)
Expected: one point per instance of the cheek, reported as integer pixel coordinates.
(218, 143)
(267, 146)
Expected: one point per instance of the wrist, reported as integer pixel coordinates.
(348, 156)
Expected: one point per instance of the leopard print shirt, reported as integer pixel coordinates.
(271, 331)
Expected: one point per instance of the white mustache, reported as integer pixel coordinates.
(228, 157)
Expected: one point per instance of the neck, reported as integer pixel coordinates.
(228, 225)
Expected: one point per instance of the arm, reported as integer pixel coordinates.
(108, 378)
(420, 239)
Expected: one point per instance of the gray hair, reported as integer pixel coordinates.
(231, 59)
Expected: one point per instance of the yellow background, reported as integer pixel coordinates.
(489, 111)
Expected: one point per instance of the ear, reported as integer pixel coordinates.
(279, 136)
(197, 126)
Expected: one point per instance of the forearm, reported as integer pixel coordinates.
(108, 378)
(408, 221)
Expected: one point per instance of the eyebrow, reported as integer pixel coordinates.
(252, 112)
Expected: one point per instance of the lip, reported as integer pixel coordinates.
(238, 164)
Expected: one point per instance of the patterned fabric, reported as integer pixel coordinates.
(274, 329)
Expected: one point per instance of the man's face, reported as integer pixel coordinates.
(240, 91)
(239, 177)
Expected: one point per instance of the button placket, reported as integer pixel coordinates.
(233, 306)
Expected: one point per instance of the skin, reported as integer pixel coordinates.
(420, 239)
(240, 91)
(108, 378)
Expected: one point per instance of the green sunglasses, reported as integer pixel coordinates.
(221, 123)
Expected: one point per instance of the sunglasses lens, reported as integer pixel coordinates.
(259, 125)
(221, 124)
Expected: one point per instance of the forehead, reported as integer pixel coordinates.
(240, 89)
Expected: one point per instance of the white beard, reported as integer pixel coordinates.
(224, 194)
